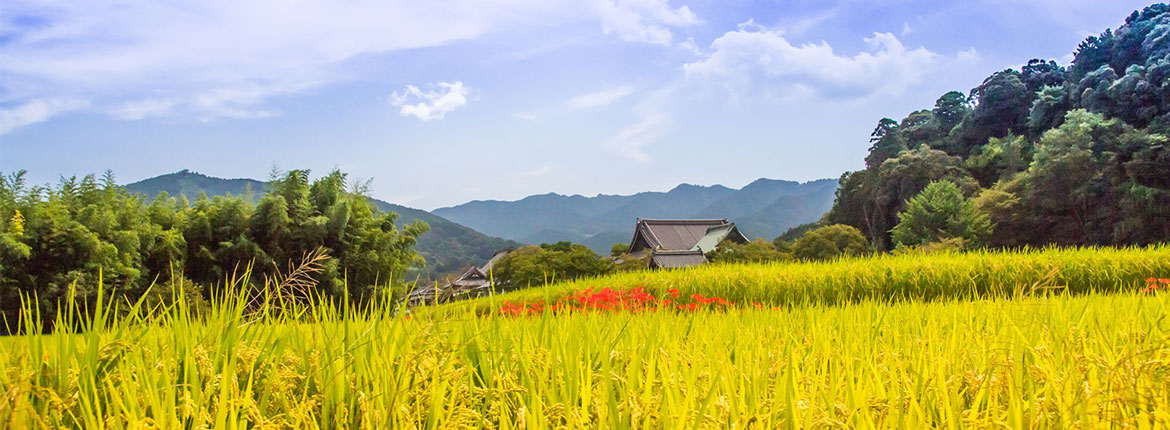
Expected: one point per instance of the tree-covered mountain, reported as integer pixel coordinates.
(765, 208)
(447, 247)
(1071, 156)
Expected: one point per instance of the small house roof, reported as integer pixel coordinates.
(678, 234)
(491, 263)
(677, 259)
(716, 235)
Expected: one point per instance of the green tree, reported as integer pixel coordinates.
(619, 249)
(535, 265)
(1047, 110)
(829, 242)
(756, 251)
(61, 238)
(1000, 158)
(1002, 103)
(940, 213)
(949, 110)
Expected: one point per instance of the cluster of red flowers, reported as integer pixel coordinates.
(606, 299)
(1155, 284)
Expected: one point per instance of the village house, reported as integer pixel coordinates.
(473, 282)
(675, 243)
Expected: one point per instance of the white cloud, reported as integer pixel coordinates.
(754, 58)
(35, 111)
(428, 105)
(643, 21)
(968, 56)
(132, 110)
(906, 28)
(227, 58)
(600, 98)
(690, 47)
(805, 24)
(630, 140)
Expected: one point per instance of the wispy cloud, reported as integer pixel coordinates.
(599, 98)
(754, 57)
(35, 111)
(807, 23)
(630, 141)
(132, 110)
(429, 105)
(229, 59)
(643, 21)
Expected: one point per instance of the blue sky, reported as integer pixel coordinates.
(442, 102)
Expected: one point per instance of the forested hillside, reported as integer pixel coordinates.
(765, 208)
(1051, 154)
(447, 247)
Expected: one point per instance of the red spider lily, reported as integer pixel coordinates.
(607, 299)
(1155, 284)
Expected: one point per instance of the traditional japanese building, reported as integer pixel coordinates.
(473, 282)
(675, 243)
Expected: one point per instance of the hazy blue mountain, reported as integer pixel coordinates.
(448, 247)
(765, 208)
(602, 243)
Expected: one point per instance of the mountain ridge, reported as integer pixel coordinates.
(764, 208)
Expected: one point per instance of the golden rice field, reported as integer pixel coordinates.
(1033, 339)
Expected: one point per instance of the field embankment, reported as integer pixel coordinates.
(969, 275)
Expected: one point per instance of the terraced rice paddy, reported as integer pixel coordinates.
(1052, 339)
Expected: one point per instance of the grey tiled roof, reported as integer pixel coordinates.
(677, 259)
(676, 234)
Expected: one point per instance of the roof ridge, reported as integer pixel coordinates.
(685, 220)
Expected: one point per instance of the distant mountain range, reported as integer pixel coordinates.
(469, 234)
(448, 247)
(765, 208)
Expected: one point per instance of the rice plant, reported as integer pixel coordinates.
(1052, 338)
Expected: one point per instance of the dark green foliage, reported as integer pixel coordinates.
(949, 110)
(1002, 103)
(756, 251)
(618, 249)
(1047, 110)
(53, 239)
(885, 143)
(940, 213)
(1050, 155)
(871, 199)
(829, 242)
(448, 247)
(536, 265)
(784, 242)
(1000, 158)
